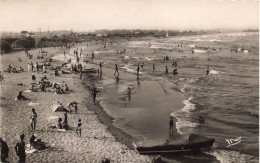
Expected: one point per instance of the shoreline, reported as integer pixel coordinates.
(96, 143)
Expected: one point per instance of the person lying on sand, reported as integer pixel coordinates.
(21, 97)
(36, 144)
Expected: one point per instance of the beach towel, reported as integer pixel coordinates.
(32, 104)
(28, 150)
(53, 117)
(28, 91)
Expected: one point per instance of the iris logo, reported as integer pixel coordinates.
(232, 142)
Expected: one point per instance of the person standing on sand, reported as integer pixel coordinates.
(37, 66)
(65, 122)
(79, 127)
(64, 55)
(94, 94)
(1, 77)
(4, 150)
(31, 66)
(76, 107)
(20, 150)
(33, 119)
(153, 67)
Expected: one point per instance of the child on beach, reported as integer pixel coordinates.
(33, 119)
(79, 127)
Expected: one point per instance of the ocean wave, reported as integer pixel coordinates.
(126, 67)
(199, 51)
(226, 156)
(214, 72)
(102, 52)
(183, 124)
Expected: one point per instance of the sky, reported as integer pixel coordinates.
(87, 15)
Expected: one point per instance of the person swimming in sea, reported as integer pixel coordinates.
(129, 93)
(201, 119)
(166, 69)
(207, 71)
(116, 70)
(138, 70)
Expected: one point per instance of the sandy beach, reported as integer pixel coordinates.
(98, 141)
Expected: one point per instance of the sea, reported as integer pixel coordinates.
(228, 97)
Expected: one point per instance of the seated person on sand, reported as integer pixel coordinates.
(73, 104)
(60, 107)
(66, 87)
(33, 89)
(15, 71)
(59, 90)
(21, 69)
(33, 77)
(8, 70)
(43, 86)
(21, 97)
(45, 77)
(56, 73)
(38, 144)
(59, 125)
